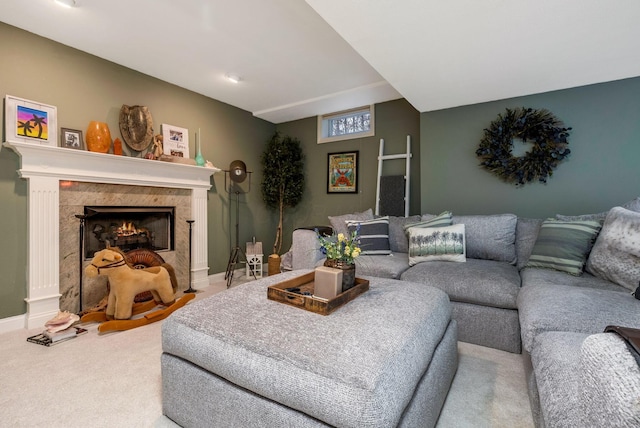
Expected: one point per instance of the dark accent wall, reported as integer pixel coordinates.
(602, 170)
(394, 121)
(84, 88)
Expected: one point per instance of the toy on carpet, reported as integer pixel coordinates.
(125, 283)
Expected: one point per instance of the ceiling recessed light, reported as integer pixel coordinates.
(66, 3)
(233, 78)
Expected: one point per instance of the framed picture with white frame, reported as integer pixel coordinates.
(175, 141)
(29, 121)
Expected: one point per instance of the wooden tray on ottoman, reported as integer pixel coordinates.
(305, 282)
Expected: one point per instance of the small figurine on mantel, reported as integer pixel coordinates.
(156, 151)
(157, 146)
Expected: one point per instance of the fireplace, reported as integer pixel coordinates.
(128, 228)
(52, 228)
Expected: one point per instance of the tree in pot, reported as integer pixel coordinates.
(282, 183)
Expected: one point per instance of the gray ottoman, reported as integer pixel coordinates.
(237, 359)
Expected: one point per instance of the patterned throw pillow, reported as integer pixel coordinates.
(441, 220)
(437, 243)
(564, 245)
(616, 253)
(374, 236)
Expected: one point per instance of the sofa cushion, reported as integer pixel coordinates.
(555, 307)
(556, 362)
(481, 282)
(436, 243)
(535, 276)
(490, 237)
(610, 383)
(564, 245)
(632, 205)
(398, 240)
(373, 235)
(616, 253)
(390, 266)
(526, 235)
(339, 222)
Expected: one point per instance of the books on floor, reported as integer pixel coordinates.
(47, 338)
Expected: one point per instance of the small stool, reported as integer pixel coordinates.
(254, 259)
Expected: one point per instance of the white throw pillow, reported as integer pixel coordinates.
(437, 243)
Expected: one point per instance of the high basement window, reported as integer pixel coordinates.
(346, 125)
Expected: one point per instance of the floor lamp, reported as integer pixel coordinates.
(237, 174)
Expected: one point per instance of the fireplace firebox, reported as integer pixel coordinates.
(128, 228)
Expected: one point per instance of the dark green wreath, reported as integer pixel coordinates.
(541, 128)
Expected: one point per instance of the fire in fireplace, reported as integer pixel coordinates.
(128, 228)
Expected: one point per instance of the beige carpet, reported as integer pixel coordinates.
(113, 380)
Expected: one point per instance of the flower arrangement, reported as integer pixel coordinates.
(340, 247)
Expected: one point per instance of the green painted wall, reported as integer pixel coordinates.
(602, 170)
(85, 88)
(394, 121)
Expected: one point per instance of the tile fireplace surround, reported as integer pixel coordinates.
(48, 169)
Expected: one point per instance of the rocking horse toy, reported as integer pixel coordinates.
(125, 283)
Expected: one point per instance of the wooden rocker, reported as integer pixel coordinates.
(127, 282)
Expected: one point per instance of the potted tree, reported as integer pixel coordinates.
(282, 183)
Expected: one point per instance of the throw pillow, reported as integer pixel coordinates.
(616, 253)
(374, 235)
(338, 222)
(429, 220)
(563, 245)
(398, 240)
(437, 243)
(490, 237)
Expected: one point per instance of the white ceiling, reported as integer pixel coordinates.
(300, 58)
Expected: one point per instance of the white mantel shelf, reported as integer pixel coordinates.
(79, 165)
(45, 166)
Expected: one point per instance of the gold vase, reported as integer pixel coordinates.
(98, 137)
(348, 272)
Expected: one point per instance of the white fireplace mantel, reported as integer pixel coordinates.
(44, 167)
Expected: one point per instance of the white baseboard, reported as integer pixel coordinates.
(12, 323)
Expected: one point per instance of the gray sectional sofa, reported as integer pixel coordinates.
(503, 300)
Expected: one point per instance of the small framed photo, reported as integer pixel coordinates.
(29, 121)
(175, 141)
(71, 139)
(342, 172)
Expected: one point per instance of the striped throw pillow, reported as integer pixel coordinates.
(374, 235)
(564, 245)
(441, 220)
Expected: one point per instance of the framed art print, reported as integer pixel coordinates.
(342, 172)
(175, 141)
(71, 139)
(29, 121)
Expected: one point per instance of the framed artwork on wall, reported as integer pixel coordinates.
(71, 139)
(29, 121)
(342, 172)
(175, 141)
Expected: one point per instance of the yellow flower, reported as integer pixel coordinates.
(347, 250)
(356, 252)
(340, 237)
